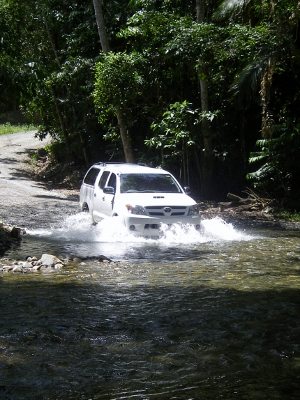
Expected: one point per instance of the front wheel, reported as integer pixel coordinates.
(85, 208)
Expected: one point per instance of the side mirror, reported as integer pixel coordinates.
(187, 190)
(109, 190)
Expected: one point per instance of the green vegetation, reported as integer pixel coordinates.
(288, 215)
(9, 128)
(208, 89)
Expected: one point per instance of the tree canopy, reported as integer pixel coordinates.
(207, 88)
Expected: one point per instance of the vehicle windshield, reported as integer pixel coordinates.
(148, 183)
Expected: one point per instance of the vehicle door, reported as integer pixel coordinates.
(108, 202)
(87, 188)
(103, 202)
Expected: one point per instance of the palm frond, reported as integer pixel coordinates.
(255, 157)
(247, 81)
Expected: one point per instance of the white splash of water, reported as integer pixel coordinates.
(79, 228)
(218, 229)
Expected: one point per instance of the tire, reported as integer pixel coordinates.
(85, 208)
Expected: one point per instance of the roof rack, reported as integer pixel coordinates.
(103, 163)
(108, 162)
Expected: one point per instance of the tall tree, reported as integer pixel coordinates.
(125, 137)
(98, 7)
(207, 155)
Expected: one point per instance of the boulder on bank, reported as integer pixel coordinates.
(46, 263)
(8, 236)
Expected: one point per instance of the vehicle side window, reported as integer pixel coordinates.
(112, 181)
(103, 179)
(91, 176)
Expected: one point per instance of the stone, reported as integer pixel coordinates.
(46, 263)
(27, 265)
(103, 259)
(16, 232)
(36, 268)
(49, 260)
(31, 259)
(17, 268)
(7, 268)
(45, 268)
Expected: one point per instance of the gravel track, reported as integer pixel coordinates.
(24, 202)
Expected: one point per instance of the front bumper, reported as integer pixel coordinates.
(151, 226)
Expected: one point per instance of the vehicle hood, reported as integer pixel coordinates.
(156, 199)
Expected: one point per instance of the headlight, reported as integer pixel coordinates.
(138, 210)
(193, 210)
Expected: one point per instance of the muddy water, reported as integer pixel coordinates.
(209, 315)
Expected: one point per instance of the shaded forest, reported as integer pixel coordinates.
(208, 89)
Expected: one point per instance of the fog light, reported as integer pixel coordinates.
(197, 227)
(132, 228)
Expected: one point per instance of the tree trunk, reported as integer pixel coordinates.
(98, 7)
(207, 156)
(126, 140)
(200, 10)
(265, 92)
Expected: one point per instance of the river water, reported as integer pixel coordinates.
(193, 315)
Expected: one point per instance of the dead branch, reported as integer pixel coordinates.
(252, 202)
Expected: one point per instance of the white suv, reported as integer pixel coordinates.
(143, 197)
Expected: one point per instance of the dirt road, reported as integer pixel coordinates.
(24, 202)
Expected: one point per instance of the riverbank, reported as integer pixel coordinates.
(42, 192)
(247, 214)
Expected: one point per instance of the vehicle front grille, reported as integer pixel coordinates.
(163, 211)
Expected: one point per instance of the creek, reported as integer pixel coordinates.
(193, 315)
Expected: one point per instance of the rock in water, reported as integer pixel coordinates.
(49, 260)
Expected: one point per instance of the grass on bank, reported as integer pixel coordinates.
(8, 128)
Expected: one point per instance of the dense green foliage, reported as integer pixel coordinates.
(198, 92)
(119, 85)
